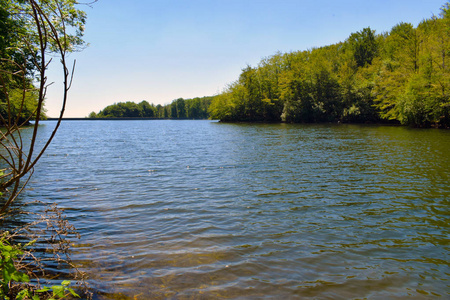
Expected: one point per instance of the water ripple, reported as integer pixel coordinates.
(201, 210)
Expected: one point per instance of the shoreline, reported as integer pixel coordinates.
(114, 119)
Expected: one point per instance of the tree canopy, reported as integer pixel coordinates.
(32, 34)
(401, 76)
(196, 108)
(21, 50)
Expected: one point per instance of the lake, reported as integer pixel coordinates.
(202, 209)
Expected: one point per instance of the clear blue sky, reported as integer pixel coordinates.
(160, 50)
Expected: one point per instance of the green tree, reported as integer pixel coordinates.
(131, 109)
(402, 45)
(413, 83)
(364, 46)
(147, 110)
(326, 97)
(269, 71)
(159, 111)
(253, 96)
(358, 94)
(180, 108)
(296, 89)
(194, 108)
(22, 102)
(112, 111)
(34, 30)
(172, 110)
(221, 107)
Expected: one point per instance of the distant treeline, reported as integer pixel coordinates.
(196, 108)
(401, 76)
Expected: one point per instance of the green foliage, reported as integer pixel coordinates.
(413, 87)
(11, 31)
(402, 76)
(9, 274)
(8, 271)
(59, 291)
(63, 14)
(364, 46)
(180, 108)
(196, 108)
(20, 51)
(30, 31)
(122, 109)
(21, 105)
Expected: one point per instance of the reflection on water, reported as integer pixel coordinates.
(199, 209)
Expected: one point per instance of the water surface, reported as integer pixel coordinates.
(201, 210)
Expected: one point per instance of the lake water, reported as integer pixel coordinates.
(206, 210)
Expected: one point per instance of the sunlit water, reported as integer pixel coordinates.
(205, 210)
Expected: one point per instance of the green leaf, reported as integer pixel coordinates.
(65, 283)
(58, 291)
(73, 293)
(8, 270)
(31, 243)
(43, 290)
(20, 277)
(22, 294)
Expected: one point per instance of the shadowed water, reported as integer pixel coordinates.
(201, 210)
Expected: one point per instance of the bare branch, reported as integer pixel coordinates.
(49, 39)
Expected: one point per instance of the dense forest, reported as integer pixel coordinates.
(18, 96)
(401, 76)
(196, 108)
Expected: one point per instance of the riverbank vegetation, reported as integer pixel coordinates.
(402, 76)
(15, 59)
(194, 109)
(32, 35)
